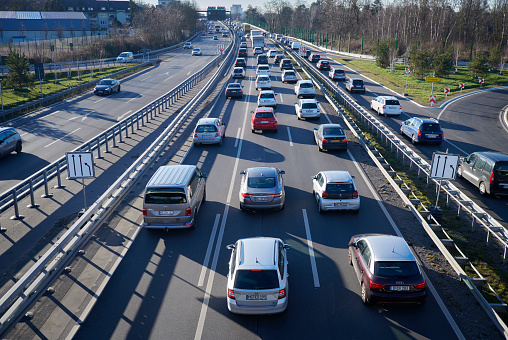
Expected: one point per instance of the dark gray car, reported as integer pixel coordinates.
(262, 188)
(488, 171)
(9, 141)
(107, 86)
(330, 137)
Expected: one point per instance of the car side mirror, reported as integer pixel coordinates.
(313, 177)
(282, 172)
(287, 246)
(353, 177)
(203, 175)
(242, 172)
(352, 244)
(230, 246)
(315, 129)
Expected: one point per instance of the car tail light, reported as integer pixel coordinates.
(245, 195)
(491, 179)
(400, 107)
(442, 135)
(384, 107)
(231, 294)
(195, 134)
(282, 294)
(277, 195)
(188, 212)
(240, 91)
(317, 110)
(324, 194)
(324, 141)
(344, 140)
(422, 285)
(145, 213)
(355, 194)
(300, 110)
(374, 285)
(419, 133)
(217, 134)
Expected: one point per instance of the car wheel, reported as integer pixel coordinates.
(363, 92)
(413, 139)
(196, 144)
(320, 210)
(483, 189)
(252, 130)
(365, 298)
(204, 196)
(220, 142)
(242, 208)
(19, 147)
(459, 171)
(401, 130)
(349, 257)
(438, 144)
(118, 88)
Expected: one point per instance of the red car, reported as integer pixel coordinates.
(264, 118)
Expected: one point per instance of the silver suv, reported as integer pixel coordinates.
(9, 141)
(258, 276)
(335, 190)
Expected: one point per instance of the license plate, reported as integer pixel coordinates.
(167, 212)
(340, 204)
(255, 297)
(432, 136)
(264, 121)
(399, 288)
(335, 141)
(260, 199)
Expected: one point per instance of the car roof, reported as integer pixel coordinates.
(207, 121)
(355, 79)
(337, 176)
(331, 125)
(263, 66)
(308, 100)
(388, 247)
(6, 128)
(264, 109)
(258, 252)
(427, 120)
(169, 175)
(262, 171)
(388, 97)
(267, 91)
(304, 81)
(494, 155)
(289, 71)
(237, 68)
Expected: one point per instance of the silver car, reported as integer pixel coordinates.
(335, 190)
(307, 108)
(209, 131)
(262, 188)
(9, 141)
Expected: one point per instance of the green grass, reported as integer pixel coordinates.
(419, 90)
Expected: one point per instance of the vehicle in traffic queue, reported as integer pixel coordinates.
(209, 131)
(286, 64)
(243, 45)
(267, 98)
(263, 82)
(335, 190)
(262, 188)
(234, 90)
(307, 108)
(330, 137)
(386, 105)
(422, 130)
(386, 270)
(323, 65)
(488, 171)
(224, 34)
(336, 74)
(258, 50)
(240, 62)
(196, 51)
(263, 70)
(272, 53)
(264, 118)
(355, 85)
(215, 37)
(238, 72)
(242, 53)
(10, 141)
(257, 280)
(305, 88)
(107, 86)
(314, 57)
(187, 45)
(289, 76)
(262, 59)
(277, 59)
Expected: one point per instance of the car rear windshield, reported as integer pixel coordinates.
(395, 268)
(357, 82)
(286, 61)
(333, 131)
(238, 71)
(165, 196)
(502, 169)
(430, 127)
(264, 78)
(261, 182)
(266, 95)
(264, 68)
(306, 85)
(309, 106)
(339, 71)
(206, 128)
(316, 56)
(324, 63)
(291, 73)
(339, 188)
(392, 102)
(256, 279)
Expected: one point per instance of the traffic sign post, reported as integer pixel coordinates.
(432, 80)
(80, 165)
(481, 81)
(407, 73)
(446, 91)
(461, 86)
(443, 167)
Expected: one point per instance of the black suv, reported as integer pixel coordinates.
(262, 59)
(286, 64)
(314, 58)
(240, 62)
(323, 65)
(242, 53)
(488, 171)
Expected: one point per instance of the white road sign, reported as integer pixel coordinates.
(444, 166)
(80, 165)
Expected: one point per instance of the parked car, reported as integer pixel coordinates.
(286, 64)
(10, 141)
(196, 51)
(262, 59)
(262, 188)
(335, 190)
(488, 171)
(307, 108)
(267, 98)
(314, 57)
(355, 85)
(323, 65)
(242, 53)
(238, 72)
(422, 130)
(386, 269)
(125, 57)
(330, 137)
(263, 70)
(336, 74)
(234, 90)
(305, 88)
(240, 62)
(386, 105)
(257, 280)
(289, 76)
(264, 118)
(187, 45)
(107, 86)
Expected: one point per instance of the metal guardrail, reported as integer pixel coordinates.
(424, 216)
(30, 285)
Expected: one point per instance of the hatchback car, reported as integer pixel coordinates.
(422, 130)
(258, 276)
(234, 90)
(307, 108)
(386, 105)
(337, 74)
(243, 45)
(263, 70)
(240, 62)
(209, 131)
(305, 88)
(215, 37)
(262, 188)
(262, 59)
(314, 58)
(264, 118)
(196, 51)
(224, 34)
(277, 59)
(267, 98)
(238, 72)
(335, 190)
(187, 45)
(107, 86)
(323, 65)
(355, 85)
(286, 64)
(263, 82)
(386, 269)
(289, 76)
(488, 171)
(272, 53)
(258, 50)
(10, 141)
(330, 137)
(242, 53)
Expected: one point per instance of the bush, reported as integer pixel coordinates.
(383, 53)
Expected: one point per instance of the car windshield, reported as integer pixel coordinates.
(206, 128)
(430, 127)
(256, 279)
(395, 268)
(392, 102)
(264, 115)
(165, 196)
(309, 106)
(333, 131)
(357, 82)
(306, 85)
(105, 82)
(339, 188)
(266, 95)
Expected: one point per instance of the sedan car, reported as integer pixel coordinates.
(262, 59)
(243, 45)
(263, 70)
(262, 188)
(267, 98)
(323, 65)
(272, 53)
(264, 118)
(238, 72)
(240, 62)
(263, 82)
(335, 190)
(209, 131)
(10, 141)
(196, 51)
(330, 137)
(286, 64)
(234, 90)
(187, 45)
(422, 130)
(386, 105)
(289, 76)
(107, 86)
(386, 269)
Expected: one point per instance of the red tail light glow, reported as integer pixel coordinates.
(422, 285)
(188, 212)
(419, 133)
(324, 141)
(217, 134)
(374, 285)
(491, 179)
(324, 194)
(355, 194)
(195, 134)
(344, 140)
(279, 194)
(282, 294)
(384, 107)
(144, 212)
(231, 294)
(300, 110)
(245, 195)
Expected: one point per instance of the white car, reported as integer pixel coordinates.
(263, 69)
(335, 190)
(196, 51)
(263, 82)
(305, 88)
(289, 76)
(125, 57)
(307, 108)
(258, 276)
(271, 53)
(238, 72)
(267, 98)
(386, 105)
(187, 45)
(258, 50)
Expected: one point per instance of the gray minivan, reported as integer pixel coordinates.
(173, 197)
(488, 171)
(9, 141)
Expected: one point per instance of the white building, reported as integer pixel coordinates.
(236, 12)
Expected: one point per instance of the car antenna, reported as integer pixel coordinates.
(257, 260)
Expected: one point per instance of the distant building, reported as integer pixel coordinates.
(236, 12)
(165, 2)
(101, 14)
(28, 26)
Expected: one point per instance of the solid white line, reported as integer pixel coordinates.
(72, 118)
(146, 78)
(168, 78)
(100, 100)
(125, 114)
(138, 96)
(208, 251)
(290, 140)
(237, 137)
(53, 113)
(70, 133)
(311, 249)
(281, 100)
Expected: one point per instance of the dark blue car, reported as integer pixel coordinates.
(421, 130)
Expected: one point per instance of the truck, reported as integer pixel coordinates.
(257, 41)
(246, 28)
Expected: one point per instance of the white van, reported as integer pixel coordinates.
(125, 57)
(295, 45)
